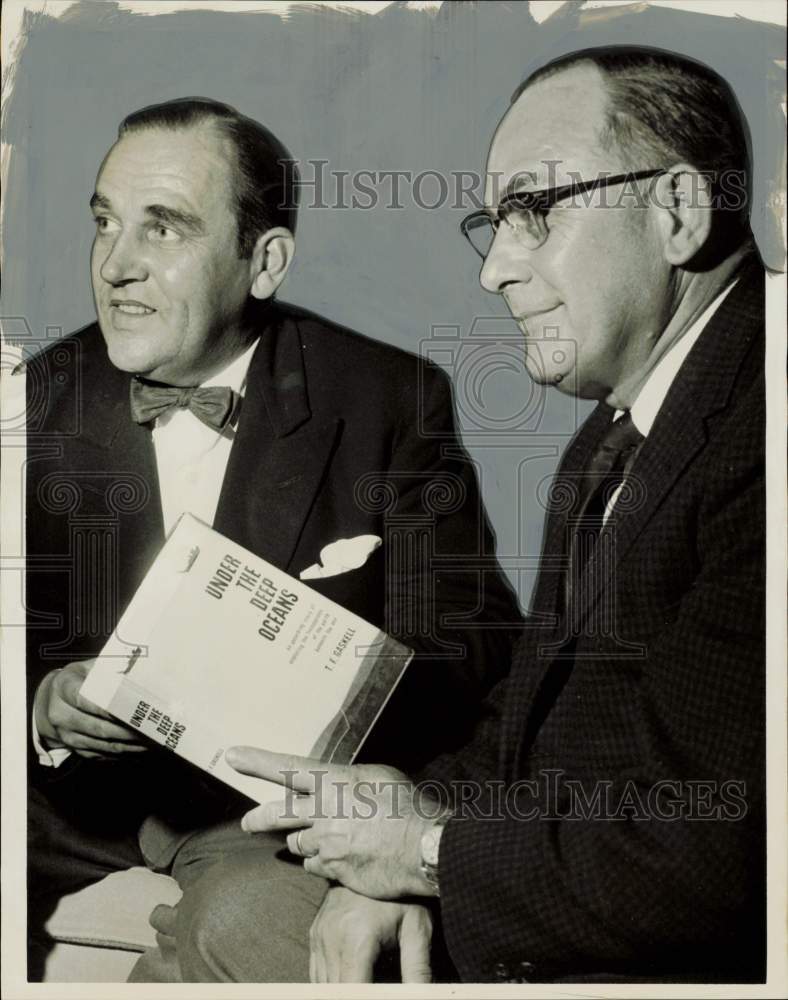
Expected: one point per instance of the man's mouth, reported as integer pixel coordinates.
(534, 314)
(533, 318)
(131, 308)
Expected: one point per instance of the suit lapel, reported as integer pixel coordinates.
(702, 387)
(279, 457)
(544, 614)
(562, 502)
(114, 462)
(142, 531)
(666, 453)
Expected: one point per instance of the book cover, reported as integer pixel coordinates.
(220, 648)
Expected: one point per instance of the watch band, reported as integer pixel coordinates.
(430, 847)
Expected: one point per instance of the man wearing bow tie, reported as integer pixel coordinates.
(606, 821)
(197, 392)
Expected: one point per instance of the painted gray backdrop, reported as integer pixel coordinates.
(402, 90)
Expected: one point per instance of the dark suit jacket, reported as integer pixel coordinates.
(656, 676)
(339, 436)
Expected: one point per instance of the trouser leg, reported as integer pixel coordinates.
(245, 914)
(63, 856)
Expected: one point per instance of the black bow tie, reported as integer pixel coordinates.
(213, 405)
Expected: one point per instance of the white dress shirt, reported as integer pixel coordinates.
(654, 390)
(191, 459)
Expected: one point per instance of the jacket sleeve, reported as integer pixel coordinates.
(665, 869)
(446, 596)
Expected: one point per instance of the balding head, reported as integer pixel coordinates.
(663, 108)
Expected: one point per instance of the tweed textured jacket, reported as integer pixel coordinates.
(612, 817)
(339, 436)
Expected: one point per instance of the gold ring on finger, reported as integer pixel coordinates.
(300, 847)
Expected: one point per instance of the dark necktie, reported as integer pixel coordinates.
(609, 463)
(213, 405)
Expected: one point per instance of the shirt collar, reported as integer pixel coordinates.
(234, 374)
(652, 394)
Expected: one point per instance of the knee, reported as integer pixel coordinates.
(210, 920)
(235, 926)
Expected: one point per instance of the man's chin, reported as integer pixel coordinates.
(549, 375)
(125, 360)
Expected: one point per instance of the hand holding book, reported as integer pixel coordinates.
(66, 719)
(218, 647)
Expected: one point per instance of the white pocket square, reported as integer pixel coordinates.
(341, 556)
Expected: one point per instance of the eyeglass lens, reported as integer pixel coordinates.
(527, 225)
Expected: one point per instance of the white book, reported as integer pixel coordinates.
(219, 648)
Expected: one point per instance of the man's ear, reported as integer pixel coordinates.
(271, 259)
(682, 196)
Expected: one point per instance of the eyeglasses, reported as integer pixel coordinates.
(525, 212)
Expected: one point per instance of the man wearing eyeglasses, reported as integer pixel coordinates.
(606, 822)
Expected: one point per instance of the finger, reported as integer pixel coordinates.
(357, 964)
(88, 725)
(69, 691)
(327, 963)
(299, 773)
(89, 707)
(414, 946)
(163, 919)
(304, 843)
(314, 866)
(319, 961)
(81, 742)
(66, 704)
(293, 812)
(93, 753)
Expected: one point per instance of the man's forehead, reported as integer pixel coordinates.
(550, 134)
(186, 162)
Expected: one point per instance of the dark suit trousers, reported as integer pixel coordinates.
(64, 855)
(245, 914)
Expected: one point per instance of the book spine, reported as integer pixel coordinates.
(141, 710)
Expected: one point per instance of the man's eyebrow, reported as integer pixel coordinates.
(99, 201)
(515, 186)
(516, 189)
(176, 217)
(493, 211)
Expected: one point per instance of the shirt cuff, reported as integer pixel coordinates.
(48, 758)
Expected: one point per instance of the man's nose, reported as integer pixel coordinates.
(507, 261)
(124, 261)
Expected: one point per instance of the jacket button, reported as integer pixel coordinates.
(501, 971)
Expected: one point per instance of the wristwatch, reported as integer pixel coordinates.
(430, 848)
